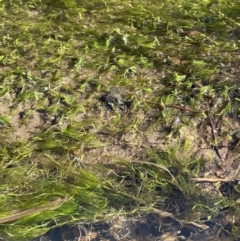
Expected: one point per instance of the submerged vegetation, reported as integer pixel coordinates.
(114, 107)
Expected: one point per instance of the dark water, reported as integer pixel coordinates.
(151, 226)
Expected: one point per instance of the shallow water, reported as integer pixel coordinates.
(50, 53)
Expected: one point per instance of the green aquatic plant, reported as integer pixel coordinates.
(177, 66)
